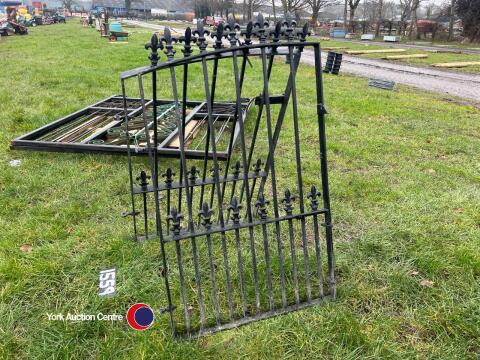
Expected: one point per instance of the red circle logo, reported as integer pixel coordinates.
(140, 316)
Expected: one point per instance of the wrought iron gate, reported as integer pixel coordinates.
(237, 243)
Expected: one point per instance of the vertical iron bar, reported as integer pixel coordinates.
(182, 285)
(168, 184)
(198, 282)
(157, 205)
(271, 149)
(167, 39)
(299, 171)
(288, 201)
(238, 102)
(217, 183)
(255, 131)
(212, 279)
(176, 218)
(129, 159)
(324, 172)
(313, 196)
(238, 110)
(235, 206)
(192, 179)
(207, 141)
(294, 260)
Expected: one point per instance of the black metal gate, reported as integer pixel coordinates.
(240, 238)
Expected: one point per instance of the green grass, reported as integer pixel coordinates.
(405, 192)
(433, 58)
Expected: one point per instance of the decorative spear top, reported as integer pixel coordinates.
(206, 213)
(192, 174)
(219, 35)
(247, 33)
(313, 196)
(290, 24)
(201, 32)
(232, 27)
(187, 40)
(168, 175)
(154, 46)
(236, 169)
(303, 33)
(261, 205)
(215, 168)
(235, 207)
(168, 41)
(143, 178)
(277, 32)
(260, 28)
(176, 218)
(288, 201)
(257, 166)
(289, 21)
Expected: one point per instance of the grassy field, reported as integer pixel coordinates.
(433, 58)
(405, 189)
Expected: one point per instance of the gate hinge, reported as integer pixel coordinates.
(130, 213)
(321, 109)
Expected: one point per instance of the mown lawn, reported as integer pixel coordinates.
(405, 189)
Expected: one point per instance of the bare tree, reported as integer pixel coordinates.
(251, 6)
(413, 31)
(317, 5)
(352, 4)
(451, 20)
(294, 6)
(379, 17)
(469, 12)
(405, 11)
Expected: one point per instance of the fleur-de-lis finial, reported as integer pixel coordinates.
(192, 174)
(168, 175)
(276, 33)
(260, 28)
(261, 205)
(288, 201)
(232, 27)
(168, 40)
(236, 169)
(153, 45)
(313, 196)
(201, 32)
(219, 35)
(290, 23)
(143, 178)
(206, 213)
(235, 207)
(215, 168)
(257, 167)
(187, 39)
(175, 217)
(247, 33)
(303, 33)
